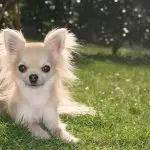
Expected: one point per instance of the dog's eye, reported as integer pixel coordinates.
(46, 68)
(22, 68)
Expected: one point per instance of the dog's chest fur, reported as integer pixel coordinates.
(34, 103)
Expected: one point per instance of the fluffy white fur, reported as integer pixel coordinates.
(44, 102)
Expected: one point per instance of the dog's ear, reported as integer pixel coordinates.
(61, 43)
(55, 40)
(13, 40)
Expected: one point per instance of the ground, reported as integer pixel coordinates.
(117, 87)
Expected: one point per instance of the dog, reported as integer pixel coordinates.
(33, 82)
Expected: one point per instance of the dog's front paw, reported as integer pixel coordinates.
(38, 132)
(41, 135)
(73, 140)
(68, 138)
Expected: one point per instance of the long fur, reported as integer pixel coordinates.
(65, 70)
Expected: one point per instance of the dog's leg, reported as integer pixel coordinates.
(52, 123)
(37, 131)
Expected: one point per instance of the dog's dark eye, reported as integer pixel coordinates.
(22, 68)
(46, 68)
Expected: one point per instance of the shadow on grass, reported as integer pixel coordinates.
(140, 60)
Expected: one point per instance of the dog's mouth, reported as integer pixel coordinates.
(35, 85)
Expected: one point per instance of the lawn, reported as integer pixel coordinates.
(117, 87)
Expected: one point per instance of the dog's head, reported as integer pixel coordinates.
(35, 64)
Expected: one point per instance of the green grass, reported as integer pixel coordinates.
(118, 88)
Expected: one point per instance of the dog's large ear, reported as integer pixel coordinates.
(13, 40)
(61, 43)
(55, 40)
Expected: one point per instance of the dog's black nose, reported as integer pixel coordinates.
(33, 78)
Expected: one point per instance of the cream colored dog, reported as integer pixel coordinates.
(34, 75)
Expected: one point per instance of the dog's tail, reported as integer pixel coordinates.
(74, 108)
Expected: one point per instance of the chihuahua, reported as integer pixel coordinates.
(34, 81)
